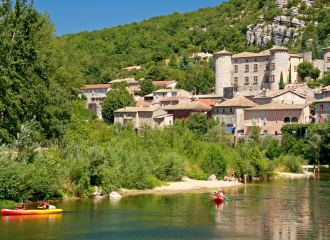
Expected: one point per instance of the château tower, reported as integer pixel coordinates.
(223, 71)
(279, 62)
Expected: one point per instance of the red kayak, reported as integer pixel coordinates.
(217, 199)
(29, 212)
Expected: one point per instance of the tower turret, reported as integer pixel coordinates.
(279, 62)
(223, 71)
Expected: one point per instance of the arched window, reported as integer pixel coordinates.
(287, 120)
(294, 120)
(265, 132)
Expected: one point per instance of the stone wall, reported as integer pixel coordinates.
(223, 72)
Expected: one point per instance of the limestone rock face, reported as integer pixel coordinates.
(98, 191)
(114, 195)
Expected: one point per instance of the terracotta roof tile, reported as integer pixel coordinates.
(327, 99)
(166, 99)
(209, 102)
(95, 86)
(278, 106)
(163, 82)
(251, 54)
(138, 109)
(189, 106)
(223, 52)
(239, 101)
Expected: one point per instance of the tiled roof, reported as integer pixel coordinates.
(309, 99)
(209, 102)
(278, 106)
(327, 99)
(189, 106)
(239, 101)
(294, 86)
(157, 83)
(207, 96)
(145, 104)
(138, 109)
(326, 89)
(149, 95)
(251, 54)
(272, 93)
(250, 94)
(95, 86)
(295, 55)
(122, 80)
(223, 52)
(279, 48)
(167, 99)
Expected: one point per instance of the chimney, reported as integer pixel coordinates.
(264, 93)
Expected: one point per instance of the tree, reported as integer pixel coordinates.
(116, 99)
(290, 74)
(281, 83)
(315, 73)
(146, 87)
(26, 79)
(119, 85)
(184, 63)
(197, 122)
(288, 143)
(304, 69)
(173, 63)
(255, 135)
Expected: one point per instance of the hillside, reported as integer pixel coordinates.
(237, 25)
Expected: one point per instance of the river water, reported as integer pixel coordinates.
(279, 209)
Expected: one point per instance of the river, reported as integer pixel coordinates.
(279, 209)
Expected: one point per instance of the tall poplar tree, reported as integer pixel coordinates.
(290, 74)
(281, 83)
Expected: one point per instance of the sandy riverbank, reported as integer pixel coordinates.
(188, 185)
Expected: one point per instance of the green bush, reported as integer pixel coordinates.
(313, 85)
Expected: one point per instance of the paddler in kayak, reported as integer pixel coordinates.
(220, 195)
(45, 206)
(21, 206)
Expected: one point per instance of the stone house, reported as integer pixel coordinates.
(249, 72)
(133, 85)
(173, 100)
(165, 84)
(323, 93)
(322, 109)
(139, 116)
(160, 94)
(270, 118)
(128, 69)
(183, 110)
(95, 95)
(281, 96)
(231, 112)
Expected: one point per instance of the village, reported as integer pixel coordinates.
(246, 94)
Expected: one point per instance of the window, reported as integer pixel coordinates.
(276, 122)
(252, 119)
(275, 113)
(230, 110)
(235, 60)
(266, 79)
(173, 94)
(259, 112)
(255, 67)
(129, 114)
(236, 80)
(328, 69)
(259, 120)
(246, 68)
(246, 80)
(223, 110)
(294, 111)
(321, 107)
(265, 112)
(252, 112)
(247, 60)
(295, 68)
(217, 110)
(236, 69)
(230, 119)
(255, 80)
(267, 66)
(265, 120)
(275, 133)
(272, 78)
(156, 95)
(255, 60)
(223, 119)
(273, 56)
(272, 66)
(328, 59)
(286, 111)
(170, 123)
(266, 58)
(120, 115)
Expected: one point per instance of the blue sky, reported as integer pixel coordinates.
(71, 16)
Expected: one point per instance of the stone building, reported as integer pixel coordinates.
(322, 109)
(280, 96)
(183, 110)
(139, 116)
(324, 63)
(231, 112)
(322, 93)
(160, 94)
(95, 95)
(248, 72)
(270, 118)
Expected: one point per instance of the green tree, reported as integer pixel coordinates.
(173, 63)
(273, 150)
(255, 135)
(281, 83)
(288, 143)
(315, 73)
(184, 63)
(146, 87)
(116, 99)
(304, 69)
(290, 74)
(197, 122)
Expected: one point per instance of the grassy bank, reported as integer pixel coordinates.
(7, 203)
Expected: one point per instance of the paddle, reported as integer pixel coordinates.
(21, 201)
(228, 200)
(47, 196)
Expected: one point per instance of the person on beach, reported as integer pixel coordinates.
(245, 177)
(226, 178)
(314, 169)
(232, 173)
(212, 177)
